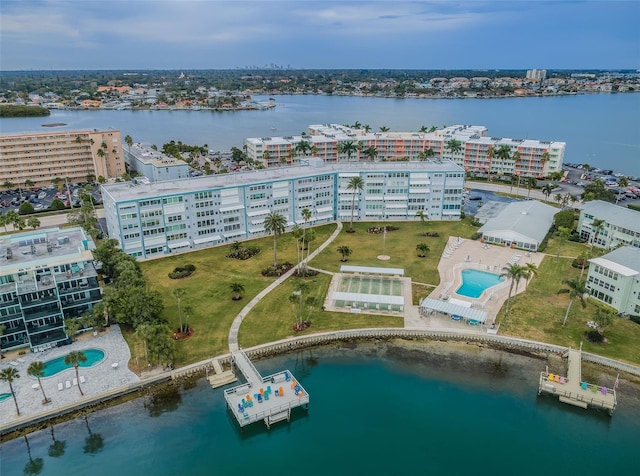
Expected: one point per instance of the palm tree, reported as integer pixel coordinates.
(384, 129)
(453, 146)
(531, 183)
(491, 152)
(577, 288)
(503, 152)
(532, 270)
(305, 213)
(7, 185)
(129, 141)
(36, 369)
(563, 235)
(100, 153)
(345, 251)
(370, 153)
(8, 375)
(547, 190)
(74, 358)
(347, 147)
(179, 293)
(515, 272)
(422, 249)
(356, 184)
(603, 318)
(598, 224)
(29, 183)
(426, 154)
(33, 222)
(424, 217)
(276, 224)
(303, 147)
(238, 290)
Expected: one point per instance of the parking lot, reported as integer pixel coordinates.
(42, 197)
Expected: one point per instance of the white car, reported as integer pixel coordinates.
(42, 195)
(39, 206)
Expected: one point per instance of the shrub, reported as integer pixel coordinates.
(635, 319)
(476, 236)
(180, 272)
(279, 270)
(595, 337)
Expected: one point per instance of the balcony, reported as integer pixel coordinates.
(44, 328)
(55, 335)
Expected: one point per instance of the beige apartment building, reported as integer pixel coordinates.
(73, 155)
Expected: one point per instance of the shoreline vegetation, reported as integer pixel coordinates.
(14, 110)
(490, 357)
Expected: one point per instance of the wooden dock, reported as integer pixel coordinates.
(220, 377)
(269, 398)
(573, 390)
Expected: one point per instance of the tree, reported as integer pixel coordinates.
(160, 346)
(384, 129)
(302, 304)
(57, 205)
(26, 208)
(8, 375)
(603, 318)
(129, 141)
(305, 213)
(347, 147)
(531, 183)
(563, 235)
(36, 369)
(515, 273)
(33, 222)
(576, 288)
(29, 183)
(179, 293)
(426, 154)
(598, 225)
(596, 190)
(547, 190)
(100, 153)
(424, 217)
(8, 185)
(557, 198)
(356, 184)
(345, 251)
(303, 147)
(75, 358)
(532, 270)
(72, 326)
(370, 153)
(238, 290)
(422, 249)
(453, 146)
(275, 223)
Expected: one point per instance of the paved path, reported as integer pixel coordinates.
(235, 326)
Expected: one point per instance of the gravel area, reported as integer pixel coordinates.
(100, 378)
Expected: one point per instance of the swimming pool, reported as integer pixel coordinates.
(475, 282)
(54, 366)
(4, 396)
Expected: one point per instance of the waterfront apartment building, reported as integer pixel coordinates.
(619, 225)
(614, 279)
(537, 74)
(74, 155)
(467, 146)
(155, 165)
(153, 219)
(47, 276)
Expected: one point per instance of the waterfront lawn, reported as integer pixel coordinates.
(537, 314)
(208, 290)
(400, 245)
(273, 317)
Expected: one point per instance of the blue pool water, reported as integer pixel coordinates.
(57, 365)
(4, 396)
(475, 282)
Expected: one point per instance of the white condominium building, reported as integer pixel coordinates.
(41, 158)
(155, 165)
(617, 225)
(467, 146)
(615, 279)
(153, 219)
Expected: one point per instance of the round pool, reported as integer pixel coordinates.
(54, 366)
(475, 282)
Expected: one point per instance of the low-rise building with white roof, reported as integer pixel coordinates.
(614, 279)
(619, 226)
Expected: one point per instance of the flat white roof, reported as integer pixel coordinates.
(371, 270)
(447, 307)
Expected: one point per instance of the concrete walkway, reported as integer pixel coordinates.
(235, 326)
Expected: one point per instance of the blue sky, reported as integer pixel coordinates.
(212, 34)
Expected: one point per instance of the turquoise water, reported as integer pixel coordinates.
(475, 282)
(4, 396)
(611, 143)
(54, 366)
(372, 413)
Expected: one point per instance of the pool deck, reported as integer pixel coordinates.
(99, 378)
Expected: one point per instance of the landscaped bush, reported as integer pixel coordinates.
(279, 270)
(244, 253)
(305, 273)
(180, 272)
(595, 337)
(635, 319)
(380, 229)
(476, 236)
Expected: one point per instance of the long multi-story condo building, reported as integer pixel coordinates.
(467, 146)
(152, 219)
(47, 276)
(615, 226)
(41, 158)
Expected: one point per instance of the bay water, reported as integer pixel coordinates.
(376, 409)
(600, 129)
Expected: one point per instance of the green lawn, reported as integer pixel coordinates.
(208, 293)
(273, 318)
(537, 314)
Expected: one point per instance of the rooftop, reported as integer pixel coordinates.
(529, 218)
(120, 191)
(613, 214)
(147, 155)
(44, 247)
(625, 261)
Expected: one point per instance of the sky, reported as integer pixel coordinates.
(394, 34)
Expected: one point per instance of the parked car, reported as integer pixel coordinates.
(39, 206)
(42, 195)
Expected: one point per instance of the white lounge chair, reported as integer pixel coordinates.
(82, 379)
(67, 384)
(60, 386)
(75, 381)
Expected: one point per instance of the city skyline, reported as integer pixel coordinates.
(212, 34)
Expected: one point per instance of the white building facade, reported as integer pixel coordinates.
(620, 226)
(155, 165)
(614, 279)
(473, 150)
(160, 218)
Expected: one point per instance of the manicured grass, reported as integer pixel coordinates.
(273, 318)
(538, 313)
(208, 292)
(400, 245)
